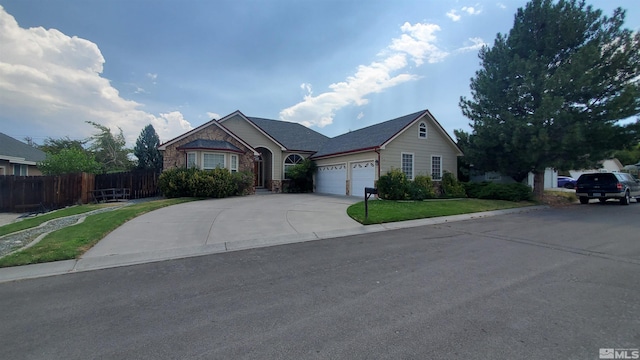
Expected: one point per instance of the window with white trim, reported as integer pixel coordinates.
(234, 163)
(191, 160)
(407, 165)
(19, 170)
(212, 160)
(290, 161)
(436, 167)
(422, 130)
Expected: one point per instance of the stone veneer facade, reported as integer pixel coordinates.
(174, 158)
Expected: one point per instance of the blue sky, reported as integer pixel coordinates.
(334, 66)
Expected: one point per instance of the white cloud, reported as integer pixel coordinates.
(477, 44)
(152, 76)
(51, 81)
(466, 10)
(212, 115)
(453, 15)
(360, 115)
(417, 43)
(471, 10)
(501, 5)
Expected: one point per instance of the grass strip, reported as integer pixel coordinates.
(40, 219)
(383, 211)
(71, 242)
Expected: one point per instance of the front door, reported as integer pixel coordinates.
(258, 172)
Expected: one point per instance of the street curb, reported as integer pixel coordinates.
(119, 260)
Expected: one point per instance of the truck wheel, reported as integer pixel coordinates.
(584, 200)
(626, 199)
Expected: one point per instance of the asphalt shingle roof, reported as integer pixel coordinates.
(210, 144)
(292, 136)
(367, 138)
(14, 148)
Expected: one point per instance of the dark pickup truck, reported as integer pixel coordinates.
(607, 185)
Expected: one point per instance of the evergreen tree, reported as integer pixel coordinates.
(146, 149)
(552, 92)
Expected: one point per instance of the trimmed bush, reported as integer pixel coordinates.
(393, 185)
(301, 177)
(173, 182)
(244, 182)
(217, 183)
(509, 192)
(421, 188)
(451, 187)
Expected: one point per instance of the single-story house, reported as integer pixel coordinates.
(415, 143)
(608, 165)
(18, 158)
(550, 178)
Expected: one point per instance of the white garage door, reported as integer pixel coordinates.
(363, 175)
(331, 179)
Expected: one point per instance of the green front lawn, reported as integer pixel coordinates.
(32, 222)
(382, 211)
(73, 241)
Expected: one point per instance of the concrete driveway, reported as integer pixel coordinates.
(237, 221)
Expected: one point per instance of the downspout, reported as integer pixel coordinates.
(377, 150)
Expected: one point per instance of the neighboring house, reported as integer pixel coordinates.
(18, 158)
(416, 143)
(550, 178)
(609, 165)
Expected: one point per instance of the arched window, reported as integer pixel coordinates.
(422, 130)
(291, 160)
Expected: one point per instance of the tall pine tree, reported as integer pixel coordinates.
(552, 92)
(146, 149)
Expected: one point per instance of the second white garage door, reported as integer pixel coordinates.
(331, 179)
(363, 174)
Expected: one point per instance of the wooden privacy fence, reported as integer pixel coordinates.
(31, 193)
(141, 183)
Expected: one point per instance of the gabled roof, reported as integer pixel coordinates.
(376, 136)
(202, 144)
(19, 152)
(213, 122)
(292, 136)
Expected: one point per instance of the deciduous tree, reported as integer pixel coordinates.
(68, 161)
(110, 150)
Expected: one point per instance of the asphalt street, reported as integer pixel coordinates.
(559, 283)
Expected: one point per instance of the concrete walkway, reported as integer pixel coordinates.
(221, 225)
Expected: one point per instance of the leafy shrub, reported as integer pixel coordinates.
(173, 182)
(244, 182)
(393, 185)
(451, 187)
(301, 176)
(473, 189)
(194, 182)
(421, 188)
(509, 192)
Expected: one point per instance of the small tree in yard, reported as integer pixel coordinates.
(146, 149)
(68, 161)
(553, 91)
(301, 176)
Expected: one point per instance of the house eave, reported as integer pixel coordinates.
(209, 149)
(17, 160)
(341, 153)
